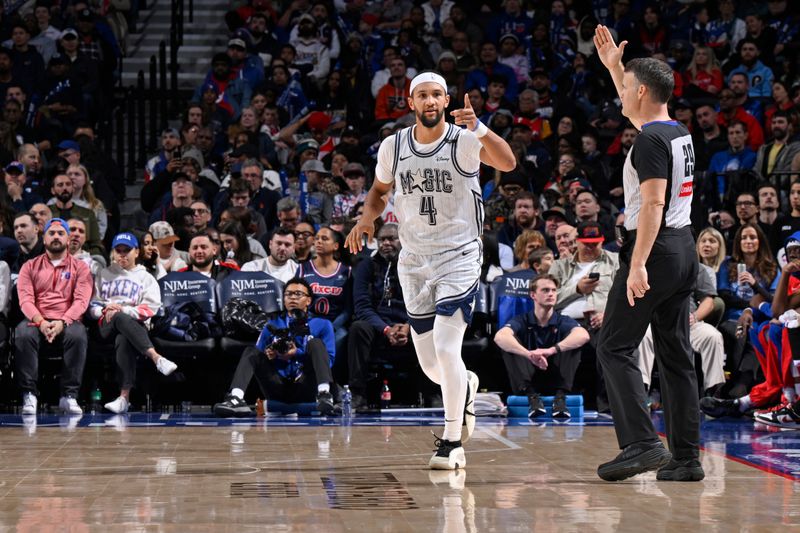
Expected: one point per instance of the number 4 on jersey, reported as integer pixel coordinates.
(427, 208)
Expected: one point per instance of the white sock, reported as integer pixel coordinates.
(744, 403)
(239, 393)
(788, 392)
(448, 335)
(426, 353)
(324, 387)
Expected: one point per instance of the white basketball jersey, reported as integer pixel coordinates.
(437, 200)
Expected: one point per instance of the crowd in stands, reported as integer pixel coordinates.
(269, 166)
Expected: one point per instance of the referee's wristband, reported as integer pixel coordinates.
(480, 129)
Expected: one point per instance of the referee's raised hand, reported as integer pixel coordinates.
(608, 52)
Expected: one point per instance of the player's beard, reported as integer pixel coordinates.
(430, 123)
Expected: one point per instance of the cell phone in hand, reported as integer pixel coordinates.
(594, 276)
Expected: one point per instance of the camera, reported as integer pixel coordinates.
(283, 338)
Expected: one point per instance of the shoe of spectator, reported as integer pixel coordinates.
(635, 459)
(681, 470)
(29, 404)
(535, 406)
(469, 405)
(68, 405)
(449, 455)
(359, 403)
(786, 416)
(118, 406)
(165, 366)
(325, 403)
(717, 408)
(232, 406)
(560, 410)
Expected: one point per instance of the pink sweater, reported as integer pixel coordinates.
(61, 292)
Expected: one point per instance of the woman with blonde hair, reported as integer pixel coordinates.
(83, 195)
(528, 241)
(704, 71)
(711, 248)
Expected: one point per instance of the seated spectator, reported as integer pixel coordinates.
(243, 215)
(711, 249)
(330, 281)
(541, 260)
(126, 296)
(704, 72)
(744, 289)
(781, 101)
(203, 258)
(168, 159)
(64, 206)
(318, 207)
(183, 193)
(740, 85)
(526, 217)
(304, 242)
(588, 209)
(148, 254)
(500, 206)
(201, 216)
(239, 195)
(541, 349)
(77, 239)
(554, 218)
(759, 75)
(292, 370)
(566, 243)
(263, 197)
(235, 91)
(42, 214)
(391, 102)
(776, 156)
(279, 264)
(28, 235)
(83, 195)
(380, 323)
(478, 78)
(524, 245)
(170, 259)
(355, 177)
(730, 112)
(739, 156)
(54, 291)
(21, 193)
(235, 243)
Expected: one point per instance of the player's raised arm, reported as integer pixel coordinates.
(495, 152)
(610, 54)
(377, 197)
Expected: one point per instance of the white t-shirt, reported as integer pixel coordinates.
(284, 272)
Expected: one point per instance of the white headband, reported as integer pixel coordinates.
(425, 77)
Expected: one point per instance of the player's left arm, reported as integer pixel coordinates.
(495, 151)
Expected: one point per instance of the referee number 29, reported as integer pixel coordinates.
(426, 208)
(688, 160)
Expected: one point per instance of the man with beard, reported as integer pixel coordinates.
(54, 292)
(313, 57)
(245, 66)
(77, 238)
(42, 213)
(233, 93)
(759, 75)
(776, 156)
(264, 43)
(26, 232)
(739, 84)
(64, 207)
(169, 159)
(390, 104)
(738, 156)
(526, 216)
(279, 264)
(729, 112)
(710, 138)
(203, 259)
(434, 166)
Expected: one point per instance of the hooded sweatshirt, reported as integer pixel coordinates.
(136, 290)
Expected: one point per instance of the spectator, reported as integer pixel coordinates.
(183, 193)
(769, 217)
(781, 101)
(288, 213)
(704, 71)
(528, 241)
(203, 258)
(233, 93)
(554, 218)
(297, 369)
(384, 76)
(587, 209)
(512, 20)
(566, 240)
(541, 349)
(236, 246)
(355, 177)
(64, 206)
(500, 206)
(304, 242)
(28, 62)
(27, 234)
(777, 155)
(319, 204)
(730, 112)
(541, 260)
(279, 264)
(244, 66)
(169, 157)
(22, 195)
(711, 249)
(54, 291)
(391, 102)
(738, 157)
(725, 32)
(83, 195)
(77, 239)
(42, 214)
(740, 85)
(126, 296)
(526, 217)
(489, 66)
(313, 57)
(201, 216)
(170, 259)
(791, 222)
(709, 138)
(148, 254)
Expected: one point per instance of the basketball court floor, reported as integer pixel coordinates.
(193, 472)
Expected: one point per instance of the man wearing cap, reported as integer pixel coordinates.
(168, 159)
(22, 196)
(54, 292)
(355, 177)
(63, 96)
(509, 44)
(391, 102)
(313, 57)
(168, 257)
(433, 167)
(530, 133)
(182, 193)
(500, 207)
(28, 62)
(233, 92)
(84, 67)
(319, 204)
(63, 207)
(554, 218)
(244, 65)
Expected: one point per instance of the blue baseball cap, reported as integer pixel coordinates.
(59, 221)
(125, 239)
(69, 145)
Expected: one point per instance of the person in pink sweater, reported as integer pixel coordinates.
(54, 291)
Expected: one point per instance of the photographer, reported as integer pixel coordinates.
(291, 361)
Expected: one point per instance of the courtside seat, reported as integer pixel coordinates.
(258, 287)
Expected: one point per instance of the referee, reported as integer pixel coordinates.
(657, 268)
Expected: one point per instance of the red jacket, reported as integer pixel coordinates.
(55, 292)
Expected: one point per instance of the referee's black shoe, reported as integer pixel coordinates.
(681, 470)
(635, 459)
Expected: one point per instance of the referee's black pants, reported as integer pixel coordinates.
(671, 272)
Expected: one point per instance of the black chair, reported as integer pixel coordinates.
(258, 287)
(510, 295)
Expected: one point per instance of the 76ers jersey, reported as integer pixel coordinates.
(437, 192)
(330, 293)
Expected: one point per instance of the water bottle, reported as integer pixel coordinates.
(386, 395)
(96, 400)
(347, 402)
(744, 290)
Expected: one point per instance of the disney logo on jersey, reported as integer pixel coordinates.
(318, 290)
(427, 180)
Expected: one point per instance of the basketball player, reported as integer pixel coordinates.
(434, 166)
(657, 268)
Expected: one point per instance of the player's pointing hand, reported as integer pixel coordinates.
(465, 117)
